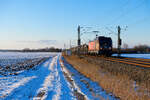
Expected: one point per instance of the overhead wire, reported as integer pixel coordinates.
(127, 12)
(123, 15)
(109, 29)
(140, 20)
(122, 7)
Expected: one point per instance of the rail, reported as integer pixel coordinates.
(131, 61)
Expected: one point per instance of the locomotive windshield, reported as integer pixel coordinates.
(105, 41)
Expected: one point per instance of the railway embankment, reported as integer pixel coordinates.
(127, 82)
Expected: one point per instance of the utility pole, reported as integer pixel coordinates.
(119, 41)
(79, 40)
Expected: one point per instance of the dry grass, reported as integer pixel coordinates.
(115, 78)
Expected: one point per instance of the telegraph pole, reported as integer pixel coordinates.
(119, 41)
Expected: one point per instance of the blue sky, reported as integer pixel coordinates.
(25, 23)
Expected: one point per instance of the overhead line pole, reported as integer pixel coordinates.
(119, 41)
(79, 40)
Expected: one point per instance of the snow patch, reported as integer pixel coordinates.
(74, 84)
(48, 82)
(9, 88)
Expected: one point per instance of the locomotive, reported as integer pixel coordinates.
(99, 46)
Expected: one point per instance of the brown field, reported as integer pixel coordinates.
(126, 82)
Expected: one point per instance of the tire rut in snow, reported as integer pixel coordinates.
(55, 85)
(77, 93)
(43, 91)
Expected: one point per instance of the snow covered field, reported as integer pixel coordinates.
(16, 62)
(145, 56)
(9, 58)
(47, 81)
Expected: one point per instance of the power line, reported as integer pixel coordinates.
(138, 21)
(127, 12)
(111, 31)
(120, 6)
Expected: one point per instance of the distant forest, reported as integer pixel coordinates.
(51, 49)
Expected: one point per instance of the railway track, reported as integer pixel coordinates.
(131, 61)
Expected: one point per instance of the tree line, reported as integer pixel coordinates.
(136, 49)
(51, 49)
